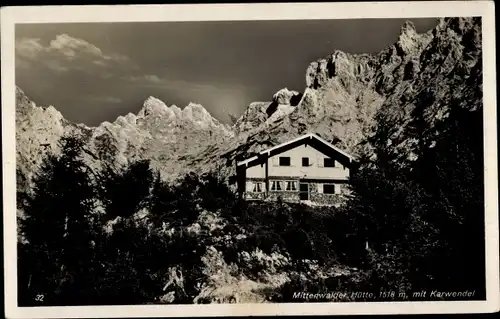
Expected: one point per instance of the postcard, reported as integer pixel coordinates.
(249, 159)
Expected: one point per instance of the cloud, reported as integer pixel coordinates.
(66, 53)
(28, 48)
(99, 77)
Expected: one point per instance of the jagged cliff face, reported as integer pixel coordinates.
(165, 134)
(168, 136)
(260, 115)
(348, 98)
(38, 130)
(360, 93)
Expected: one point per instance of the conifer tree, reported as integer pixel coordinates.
(57, 229)
(127, 192)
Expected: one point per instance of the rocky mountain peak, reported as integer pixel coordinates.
(196, 112)
(27, 110)
(286, 97)
(409, 39)
(177, 110)
(408, 28)
(254, 115)
(153, 106)
(21, 98)
(262, 114)
(38, 130)
(348, 95)
(345, 98)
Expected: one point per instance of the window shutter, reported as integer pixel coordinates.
(320, 188)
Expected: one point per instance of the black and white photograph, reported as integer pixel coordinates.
(295, 159)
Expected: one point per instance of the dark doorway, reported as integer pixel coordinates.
(304, 191)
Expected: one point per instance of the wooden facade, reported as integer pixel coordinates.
(306, 169)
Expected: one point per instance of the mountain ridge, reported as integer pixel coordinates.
(345, 100)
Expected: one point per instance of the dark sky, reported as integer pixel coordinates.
(96, 71)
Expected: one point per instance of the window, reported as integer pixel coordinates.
(305, 161)
(329, 162)
(279, 186)
(328, 188)
(257, 188)
(276, 185)
(273, 185)
(283, 186)
(291, 185)
(284, 161)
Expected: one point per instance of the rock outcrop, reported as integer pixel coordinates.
(166, 135)
(347, 98)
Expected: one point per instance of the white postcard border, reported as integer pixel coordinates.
(211, 12)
